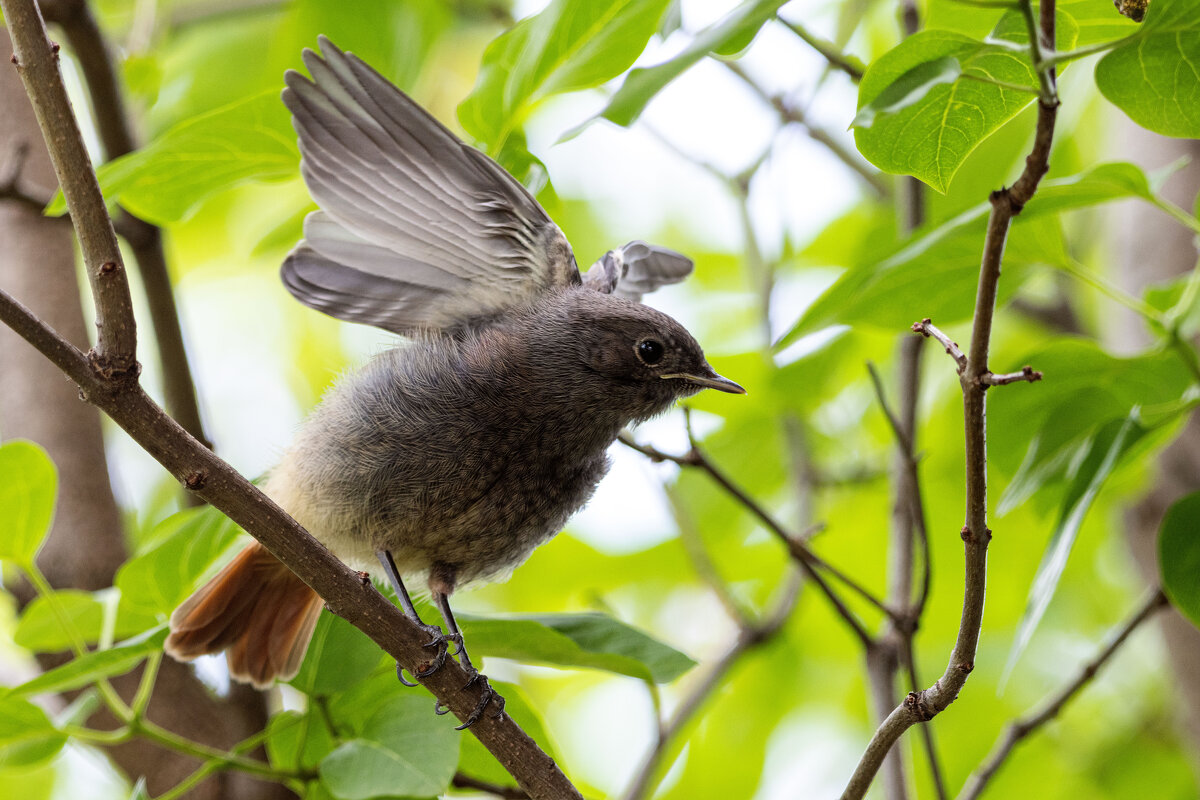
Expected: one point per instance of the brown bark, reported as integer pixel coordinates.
(86, 544)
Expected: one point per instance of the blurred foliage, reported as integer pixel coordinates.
(793, 310)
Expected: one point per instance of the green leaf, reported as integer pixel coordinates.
(566, 47)
(928, 102)
(405, 749)
(338, 657)
(40, 630)
(166, 180)
(289, 731)
(1103, 453)
(95, 664)
(731, 33)
(27, 736)
(28, 483)
(1154, 77)
(595, 641)
(1179, 555)
(937, 269)
(475, 759)
(186, 546)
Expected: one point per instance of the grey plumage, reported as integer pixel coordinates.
(455, 454)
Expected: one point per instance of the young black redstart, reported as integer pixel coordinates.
(452, 456)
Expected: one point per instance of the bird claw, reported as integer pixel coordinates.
(486, 697)
(439, 640)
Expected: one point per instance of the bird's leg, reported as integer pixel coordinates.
(441, 584)
(437, 638)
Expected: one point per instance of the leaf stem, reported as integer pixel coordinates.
(1050, 58)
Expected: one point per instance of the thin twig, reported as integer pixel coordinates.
(828, 50)
(1027, 374)
(1019, 729)
(808, 559)
(927, 329)
(921, 706)
(749, 638)
(788, 113)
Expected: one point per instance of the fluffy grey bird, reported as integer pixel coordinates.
(449, 458)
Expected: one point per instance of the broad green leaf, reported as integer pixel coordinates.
(338, 657)
(730, 34)
(167, 179)
(27, 736)
(1096, 21)
(566, 47)
(939, 266)
(289, 731)
(1179, 555)
(477, 762)
(160, 579)
(1154, 76)
(28, 482)
(404, 750)
(596, 641)
(927, 103)
(1103, 453)
(1084, 387)
(40, 630)
(95, 664)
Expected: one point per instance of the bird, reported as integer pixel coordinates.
(451, 456)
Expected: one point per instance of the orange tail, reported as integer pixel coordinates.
(255, 608)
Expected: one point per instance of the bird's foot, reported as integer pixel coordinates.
(438, 640)
(486, 697)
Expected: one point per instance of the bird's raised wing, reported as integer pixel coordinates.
(637, 269)
(416, 229)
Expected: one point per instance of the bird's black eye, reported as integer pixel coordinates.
(650, 351)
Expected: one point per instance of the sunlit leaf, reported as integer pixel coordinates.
(1179, 555)
(298, 741)
(405, 749)
(161, 578)
(95, 664)
(596, 641)
(928, 102)
(168, 178)
(567, 46)
(1154, 76)
(729, 34)
(1103, 454)
(28, 482)
(339, 656)
(27, 736)
(41, 630)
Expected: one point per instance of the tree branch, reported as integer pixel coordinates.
(921, 706)
(1019, 729)
(36, 59)
(108, 379)
(145, 240)
(828, 50)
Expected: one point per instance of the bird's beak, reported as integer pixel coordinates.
(709, 380)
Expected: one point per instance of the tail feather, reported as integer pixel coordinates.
(257, 610)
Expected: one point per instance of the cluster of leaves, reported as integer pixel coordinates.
(950, 105)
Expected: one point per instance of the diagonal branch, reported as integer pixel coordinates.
(108, 379)
(1019, 729)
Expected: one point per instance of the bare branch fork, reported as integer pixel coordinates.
(107, 376)
(921, 706)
